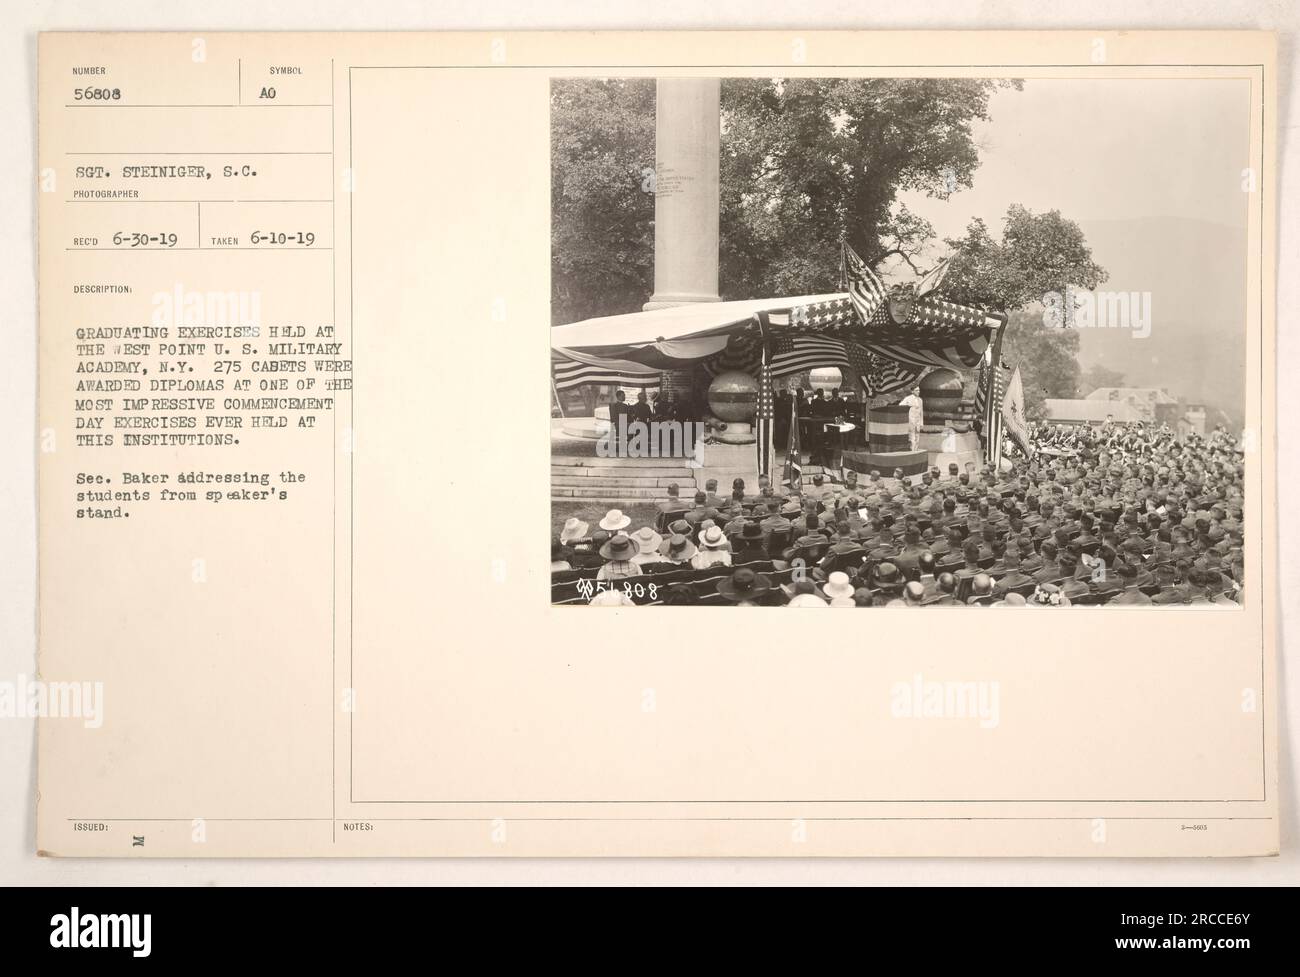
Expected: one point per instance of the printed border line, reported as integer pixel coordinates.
(1250, 78)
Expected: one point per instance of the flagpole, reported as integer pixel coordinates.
(766, 397)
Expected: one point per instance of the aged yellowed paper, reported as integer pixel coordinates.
(323, 317)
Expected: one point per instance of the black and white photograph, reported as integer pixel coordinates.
(899, 342)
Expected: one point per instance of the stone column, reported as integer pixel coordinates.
(686, 191)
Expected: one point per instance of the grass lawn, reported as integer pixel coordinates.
(642, 513)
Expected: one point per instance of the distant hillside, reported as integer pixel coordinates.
(1196, 274)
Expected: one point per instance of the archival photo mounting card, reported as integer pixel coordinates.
(437, 430)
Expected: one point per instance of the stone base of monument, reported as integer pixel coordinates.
(736, 432)
(593, 428)
(959, 449)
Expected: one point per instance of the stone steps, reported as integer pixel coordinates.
(617, 493)
(632, 481)
(611, 481)
(595, 461)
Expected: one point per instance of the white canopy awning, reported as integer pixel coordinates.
(674, 323)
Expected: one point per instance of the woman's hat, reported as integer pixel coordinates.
(806, 600)
(677, 547)
(615, 520)
(744, 584)
(648, 540)
(713, 538)
(620, 547)
(837, 585)
(574, 528)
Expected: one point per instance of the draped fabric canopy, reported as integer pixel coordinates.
(886, 351)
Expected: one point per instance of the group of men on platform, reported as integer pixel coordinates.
(1134, 516)
(823, 407)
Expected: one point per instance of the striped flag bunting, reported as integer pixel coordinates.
(743, 352)
(795, 352)
(889, 428)
(856, 332)
(569, 373)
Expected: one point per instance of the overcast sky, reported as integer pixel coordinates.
(1106, 150)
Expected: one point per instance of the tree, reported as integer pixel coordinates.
(1046, 356)
(1037, 254)
(1099, 376)
(808, 162)
(602, 201)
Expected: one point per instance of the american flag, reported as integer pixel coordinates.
(832, 315)
(936, 333)
(866, 291)
(932, 279)
(570, 373)
(765, 415)
(880, 374)
(990, 388)
(744, 352)
(798, 352)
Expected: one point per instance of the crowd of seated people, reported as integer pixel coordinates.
(1130, 515)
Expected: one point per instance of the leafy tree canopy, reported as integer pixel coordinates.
(603, 209)
(806, 163)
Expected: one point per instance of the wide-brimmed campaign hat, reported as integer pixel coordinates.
(574, 528)
(889, 577)
(620, 547)
(615, 520)
(744, 584)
